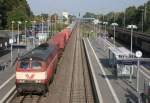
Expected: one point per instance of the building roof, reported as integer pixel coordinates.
(120, 52)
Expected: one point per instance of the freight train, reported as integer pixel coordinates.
(36, 69)
(140, 40)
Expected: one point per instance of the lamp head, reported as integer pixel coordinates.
(12, 22)
(114, 24)
(131, 26)
(105, 23)
(19, 22)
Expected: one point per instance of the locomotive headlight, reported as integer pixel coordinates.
(38, 81)
(21, 81)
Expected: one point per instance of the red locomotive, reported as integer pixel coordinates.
(36, 69)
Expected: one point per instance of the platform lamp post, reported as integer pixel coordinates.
(94, 29)
(131, 47)
(48, 25)
(105, 23)
(55, 30)
(42, 25)
(19, 22)
(25, 32)
(138, 55)
(18, 38)
(51, 26)
(33, 31)
(132, 27)
(43, 35)
(12, 36)
(100, 23)
(33, 27)
(114, 26)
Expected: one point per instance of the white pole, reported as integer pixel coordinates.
(48, 27)
(94, 29)
(12, 36)
(32, 32)
(105, 29)
(114, 36)
(42, 25)
(25, 33)
(131, 69)
(18, 35)
(131, 38)
(18, 39)
(42, 30)
(131, 48)
(55, 24)
(34, 35)
(138, 67)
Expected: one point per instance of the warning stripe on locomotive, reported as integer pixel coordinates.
(31, 76)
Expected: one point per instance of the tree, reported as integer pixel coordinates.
(89, 15)
(17, 10)
(131, 17)
(110, 17)
(54, 17)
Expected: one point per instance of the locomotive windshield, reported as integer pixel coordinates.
(24, 65)
(36, 65)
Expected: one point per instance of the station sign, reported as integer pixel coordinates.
(138, 54)
(125, 62)
(10, 41)
(133, 61)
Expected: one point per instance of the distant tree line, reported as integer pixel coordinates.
(132, 15)
(17, 10)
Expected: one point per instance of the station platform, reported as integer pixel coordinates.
(7, 73)
(110, 88)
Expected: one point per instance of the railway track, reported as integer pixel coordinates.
(80, 87)
(28, 99)
(72, 81)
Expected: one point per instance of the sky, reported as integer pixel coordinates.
(82, 6)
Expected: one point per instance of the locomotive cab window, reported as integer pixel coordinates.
(24, 65)
(36, 65)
